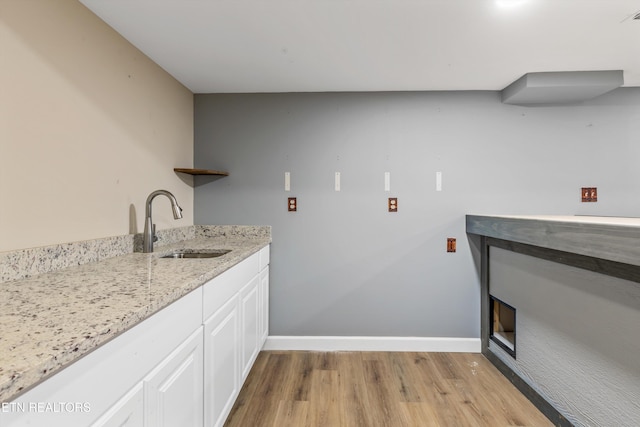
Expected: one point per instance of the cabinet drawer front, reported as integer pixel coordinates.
(218, 290)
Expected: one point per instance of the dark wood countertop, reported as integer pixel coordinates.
(610, 238)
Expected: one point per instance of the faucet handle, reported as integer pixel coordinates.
(153, 233)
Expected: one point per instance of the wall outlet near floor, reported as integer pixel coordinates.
(451, 244)
(589, 194)
(292, 204)
(393, 204)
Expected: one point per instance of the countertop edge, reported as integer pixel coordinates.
(594, 237)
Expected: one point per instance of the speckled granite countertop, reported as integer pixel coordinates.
(50, 320)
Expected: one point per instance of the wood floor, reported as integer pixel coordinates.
(297, 388)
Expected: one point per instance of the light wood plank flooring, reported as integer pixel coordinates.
(336, 389)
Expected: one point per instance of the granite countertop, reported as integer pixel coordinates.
(50, 320)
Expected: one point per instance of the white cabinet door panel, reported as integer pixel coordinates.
(264, 306)
(174, 390)
(249, 309)
(221, 362)
(127, 412)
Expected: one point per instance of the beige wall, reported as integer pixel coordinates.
(89, 126)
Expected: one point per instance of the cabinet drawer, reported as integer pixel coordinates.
(219, 289)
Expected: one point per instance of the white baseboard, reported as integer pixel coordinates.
(421, 344)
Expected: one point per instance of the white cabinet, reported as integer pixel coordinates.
(170, 395)
(235, 306)
(173, 391)
(105, 386)
(183, 366)
(222, 357)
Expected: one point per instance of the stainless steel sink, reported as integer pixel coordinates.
(189, 253)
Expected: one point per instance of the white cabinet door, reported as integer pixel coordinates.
(127, 412)
(173, 391)
(264, 306)
(221, 362)
(250, 314)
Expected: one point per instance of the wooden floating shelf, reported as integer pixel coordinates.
(201, 171)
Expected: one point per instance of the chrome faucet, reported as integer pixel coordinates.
(149, 227)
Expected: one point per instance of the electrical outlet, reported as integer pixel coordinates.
(451, 244)
(393, 204)
(292, 204)
(589, 194)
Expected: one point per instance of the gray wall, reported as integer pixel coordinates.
(342, 265)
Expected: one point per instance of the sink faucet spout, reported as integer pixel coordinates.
(149, 227)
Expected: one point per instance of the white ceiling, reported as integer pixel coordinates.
(375, 45)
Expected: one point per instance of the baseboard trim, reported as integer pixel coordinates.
(422, 344)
